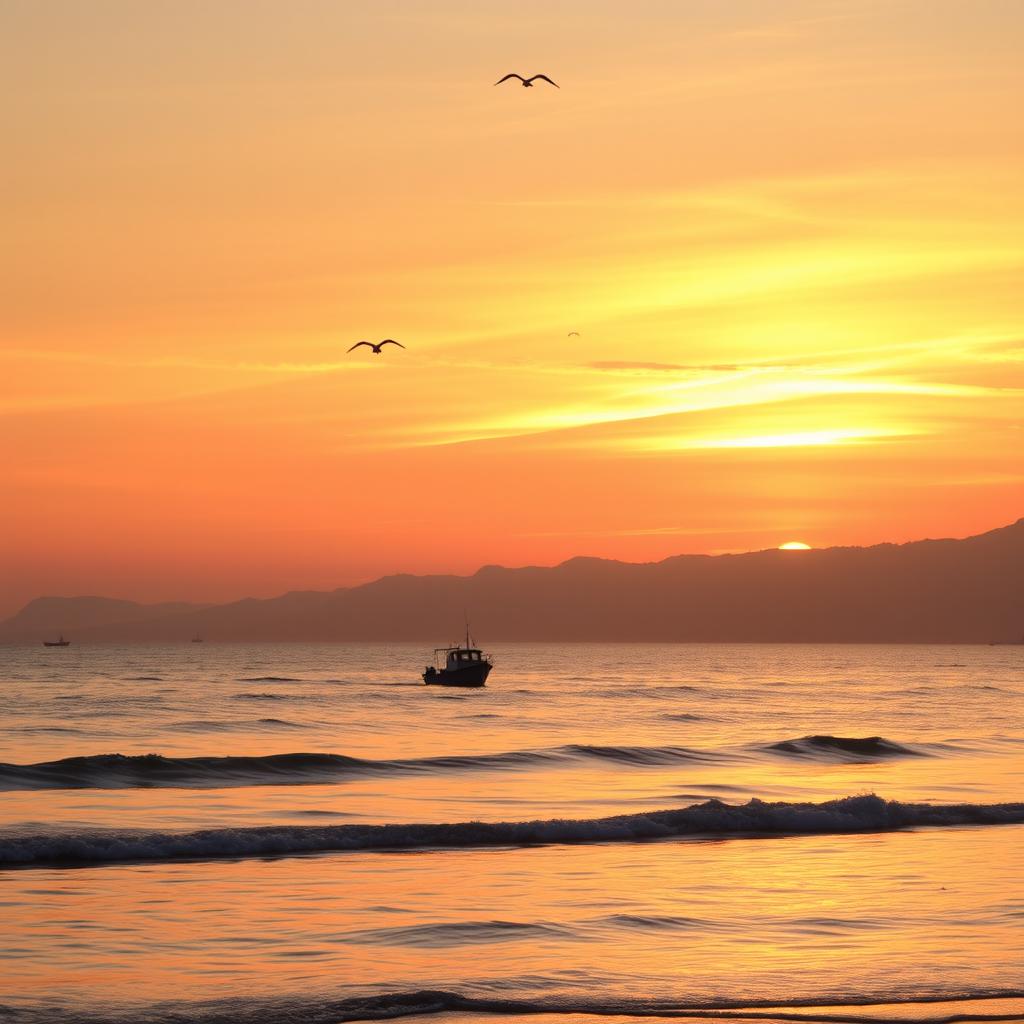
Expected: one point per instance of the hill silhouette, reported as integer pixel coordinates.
(955, 591)
(46, 615)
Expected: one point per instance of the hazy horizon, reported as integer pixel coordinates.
(929, 591)
(472, 572)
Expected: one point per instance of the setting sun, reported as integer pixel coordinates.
(794, 545)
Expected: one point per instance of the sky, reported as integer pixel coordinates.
(790, 237)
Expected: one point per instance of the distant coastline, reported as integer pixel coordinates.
(968, 591)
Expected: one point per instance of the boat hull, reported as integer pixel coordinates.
(470, 675)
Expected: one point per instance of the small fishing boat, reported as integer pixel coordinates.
(57, 643)
(458, 666)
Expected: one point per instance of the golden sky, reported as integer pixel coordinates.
(789, 234)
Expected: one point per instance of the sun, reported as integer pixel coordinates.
(794, 545)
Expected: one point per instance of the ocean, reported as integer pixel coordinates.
(286, 833)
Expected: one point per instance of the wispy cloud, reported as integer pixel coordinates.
(627, 364)
(680, 398)
(798, 439)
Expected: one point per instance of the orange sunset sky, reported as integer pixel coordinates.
(790, 235)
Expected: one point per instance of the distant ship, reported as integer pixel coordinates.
(1007, 643)
(197, 639)
(57, 643)
(458, 666)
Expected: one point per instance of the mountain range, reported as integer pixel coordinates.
(930, 591)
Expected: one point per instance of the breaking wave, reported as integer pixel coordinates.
(868, 813)
(918, 1008)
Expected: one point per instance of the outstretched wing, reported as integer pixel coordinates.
(358, 343)
(573, 334)
(390, 341)
(508, 76)
(545, 79)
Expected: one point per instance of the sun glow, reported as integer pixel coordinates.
(794, 545)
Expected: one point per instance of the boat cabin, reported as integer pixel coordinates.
(460, 657)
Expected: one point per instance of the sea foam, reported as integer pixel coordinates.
(323, 1009)
(868, 813)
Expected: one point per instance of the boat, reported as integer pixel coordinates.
(197, 639)
(1007, 643)
(57, 643)
(458, 666)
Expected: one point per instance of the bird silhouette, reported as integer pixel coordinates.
(377, 348)
(573, 334)
(528, 82)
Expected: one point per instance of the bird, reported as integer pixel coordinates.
(377, 348)
(573, 334)
(527, 82)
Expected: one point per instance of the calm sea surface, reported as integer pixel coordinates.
(307, 833)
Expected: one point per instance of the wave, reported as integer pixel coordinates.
(647, 691)
(269, 679)
(868, 813)
(844, 748)
(121, 771)
(33, 730)
(657, 923)
(201, 725)
(640, 755)
(318, 1009)
(196, 725)
(458, 933)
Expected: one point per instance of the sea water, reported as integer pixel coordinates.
(307, 833)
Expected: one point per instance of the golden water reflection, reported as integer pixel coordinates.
(820, 917)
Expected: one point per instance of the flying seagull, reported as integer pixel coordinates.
(377, 348)
(528, 82)
(573, 334)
